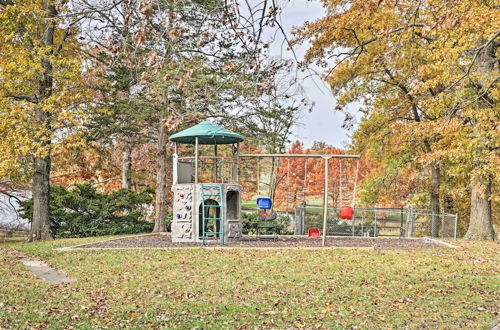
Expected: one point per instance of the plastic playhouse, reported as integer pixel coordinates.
(206, 191)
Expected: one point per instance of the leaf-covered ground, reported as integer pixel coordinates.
(204, 288)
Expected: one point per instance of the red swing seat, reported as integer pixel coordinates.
(346, 212)
(313, 232)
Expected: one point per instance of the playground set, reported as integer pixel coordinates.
(207, 193)
(207, 206)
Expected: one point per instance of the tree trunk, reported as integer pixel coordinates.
(435, 183)
(161, 180)
(40, 229)
(41, 191)
(480, 225)
(127, 167)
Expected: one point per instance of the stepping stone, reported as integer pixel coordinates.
(39, 268)
(45, 272)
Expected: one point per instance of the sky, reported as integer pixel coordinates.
(323, 123)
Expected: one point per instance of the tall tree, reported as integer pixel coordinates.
(42, 86)
(172, 64)
(411, 63)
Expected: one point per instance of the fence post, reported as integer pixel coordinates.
(433, 224)
(441, 227)
(456, 224)
(374, 223)
(412, 222)
(299, 219)
(363, 226)
(352, 224)
(296, 217)
(401, 226)
(303, 219)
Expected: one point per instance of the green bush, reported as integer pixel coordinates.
(341, 229)
(250, 221)
(83, 212)
(168, 221)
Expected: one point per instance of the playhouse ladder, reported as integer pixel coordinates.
(204, 207)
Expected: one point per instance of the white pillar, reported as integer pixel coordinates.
(196, 156)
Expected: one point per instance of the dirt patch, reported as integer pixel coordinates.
(165, 241)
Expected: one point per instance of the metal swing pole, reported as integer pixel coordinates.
(216, 164)
(354, 197)
(340, 184)
(355, 184)
(325, 201)
(305, 181)
(196, 158)
(258, 177)
(288, 186)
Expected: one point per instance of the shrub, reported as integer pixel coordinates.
(168, 221)
(82, 211)
(250, 221)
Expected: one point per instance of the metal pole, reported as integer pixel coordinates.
(456, 220)
(196, 219)
(196, 157)
(304, 191)
(353, 223)
(303, 219)
(441, 227)
(215, 168)
(258, 177)
(433, 225)
(374, 223)
(325, 202)
(412, 217)
(363, 225)
(237, 163)
(299, 155)
(340, 184)
(401, 229)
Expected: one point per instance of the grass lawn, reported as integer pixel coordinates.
(334, 288)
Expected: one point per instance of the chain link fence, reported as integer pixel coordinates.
(376, 222)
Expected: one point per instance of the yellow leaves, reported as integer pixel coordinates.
(66, 103)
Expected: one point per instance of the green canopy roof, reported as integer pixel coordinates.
(207, 133)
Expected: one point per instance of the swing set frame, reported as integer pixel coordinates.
(326, 159)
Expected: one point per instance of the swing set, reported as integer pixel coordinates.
(346, 211)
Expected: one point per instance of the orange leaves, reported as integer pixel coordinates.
(184, 79)
(144, 78)
(146, 8)
(175, 33)
(140, 37)
(229, 67)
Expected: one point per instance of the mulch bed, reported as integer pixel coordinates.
(165, 241)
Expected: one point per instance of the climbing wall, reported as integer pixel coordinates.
(183, 225)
